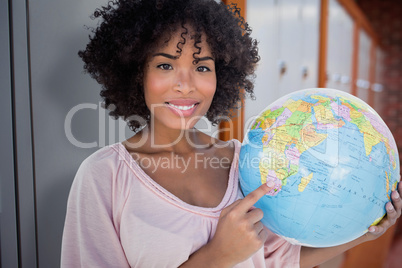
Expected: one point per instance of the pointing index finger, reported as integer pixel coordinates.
(250, 199)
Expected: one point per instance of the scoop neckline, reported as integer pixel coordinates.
(231, 190)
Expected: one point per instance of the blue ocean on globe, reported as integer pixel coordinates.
(334, 163)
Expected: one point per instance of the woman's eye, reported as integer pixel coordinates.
(165, 66)
(203, 69)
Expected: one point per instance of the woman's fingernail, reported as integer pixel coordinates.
(371, 229)
(395, 195)
(390, 207)
(270, 184)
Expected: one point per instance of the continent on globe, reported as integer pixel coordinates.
(332, 159)
(304, 182)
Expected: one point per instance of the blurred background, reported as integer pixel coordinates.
(52, 119)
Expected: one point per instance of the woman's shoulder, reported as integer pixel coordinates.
(105, 170)
(102, 156)
(104, 162)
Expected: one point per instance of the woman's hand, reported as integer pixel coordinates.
(393, 213)
(240, 233)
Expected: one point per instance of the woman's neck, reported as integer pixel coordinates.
(173, 140)
(177, 141)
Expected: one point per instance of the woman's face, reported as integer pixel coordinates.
(178, 91)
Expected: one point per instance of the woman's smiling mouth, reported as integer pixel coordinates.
(182, 107)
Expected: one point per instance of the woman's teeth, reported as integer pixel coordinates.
(183, 108)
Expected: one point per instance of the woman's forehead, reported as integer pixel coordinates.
(182, 37)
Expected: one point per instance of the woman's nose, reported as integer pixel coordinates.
(184, 83)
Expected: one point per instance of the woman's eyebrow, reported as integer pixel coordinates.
(176, 57)
(205, 58)
(165, 55)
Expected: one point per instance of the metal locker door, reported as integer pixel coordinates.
(290, 45)
(8, 209)
(262, 17)
(378, 87)
(363, 83)
(340, 48)
(24, 181)
(308, 68)
(68, 122)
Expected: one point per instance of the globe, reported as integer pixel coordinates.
(333, 161)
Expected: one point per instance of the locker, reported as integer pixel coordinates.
(261, 15)
(8, 208)
(363, 80)
(298, 28)
(47, 81)
(340, 48)
(290, 45)
(378, 86)
(21, 142)
(288, 33)
(310, 15)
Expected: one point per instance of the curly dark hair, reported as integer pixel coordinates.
(132, 29)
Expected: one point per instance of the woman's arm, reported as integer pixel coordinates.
(310, 257)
